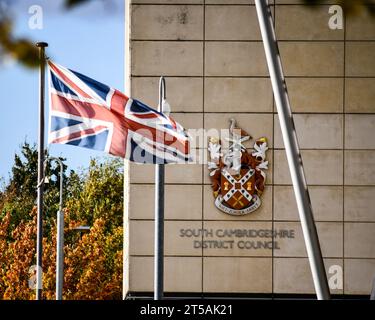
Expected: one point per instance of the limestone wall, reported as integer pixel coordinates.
(212, 56)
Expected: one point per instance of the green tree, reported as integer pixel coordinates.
(92, 264)
(93, 261)
(97, 193)
(19, 196)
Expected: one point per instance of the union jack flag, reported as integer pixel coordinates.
(90, 114)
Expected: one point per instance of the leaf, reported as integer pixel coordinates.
(73, 3)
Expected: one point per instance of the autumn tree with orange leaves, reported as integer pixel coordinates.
(93, 261)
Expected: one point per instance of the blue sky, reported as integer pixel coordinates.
(88, 39)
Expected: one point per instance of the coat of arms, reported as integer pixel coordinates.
(238, 176)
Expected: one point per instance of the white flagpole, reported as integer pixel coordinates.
(127, 76)
(159, 214)
(292, 150)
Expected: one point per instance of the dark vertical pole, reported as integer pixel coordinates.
(159, 215)
(60, 238)
(292, 150)
(40, 183)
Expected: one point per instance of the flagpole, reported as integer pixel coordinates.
(159, 214)
(40, 183)
(292, 150)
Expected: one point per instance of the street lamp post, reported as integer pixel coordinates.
(60, 235)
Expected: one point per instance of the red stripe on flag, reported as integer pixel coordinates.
(173, 123)
(81, 108)
(79, 134)
(146, 116)
(118, 102)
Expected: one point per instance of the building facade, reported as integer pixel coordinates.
(212, 56)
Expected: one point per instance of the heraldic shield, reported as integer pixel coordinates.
(238, 176)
